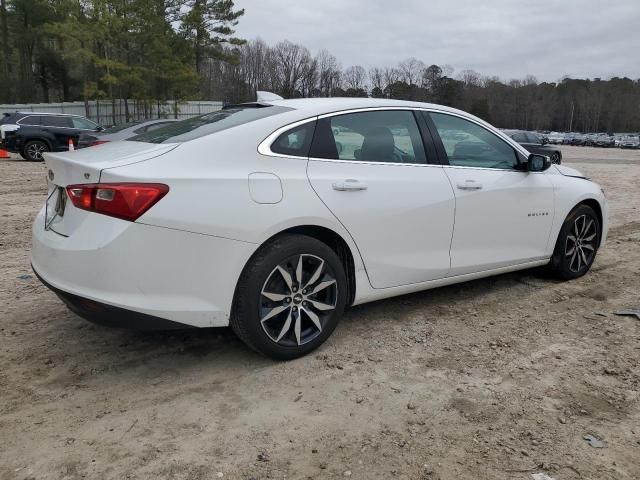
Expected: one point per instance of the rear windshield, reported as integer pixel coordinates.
(209, 123)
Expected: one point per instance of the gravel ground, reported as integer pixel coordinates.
(493, 379)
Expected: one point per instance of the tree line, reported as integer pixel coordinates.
(174, 50)
(289, 69)
(152, 50)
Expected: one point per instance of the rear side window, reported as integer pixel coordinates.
(30, 120)
(295, 142)
(379, 136)
(209, 123)
(53, 121)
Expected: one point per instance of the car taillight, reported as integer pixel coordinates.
(98, 142)
(127, 201)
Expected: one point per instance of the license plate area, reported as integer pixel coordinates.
(55, 206)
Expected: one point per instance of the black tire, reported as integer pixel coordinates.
(261, 274)
(33, 150)
(556, 157)
(568, 263)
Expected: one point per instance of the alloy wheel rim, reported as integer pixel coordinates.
(580, 245)
(297, 299)
(35, 150)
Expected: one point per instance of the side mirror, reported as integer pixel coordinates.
(538, 163)
(100, 128)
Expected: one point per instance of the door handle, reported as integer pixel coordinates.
(469, 185)
(349, 185)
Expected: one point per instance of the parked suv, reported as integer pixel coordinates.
(31, 134)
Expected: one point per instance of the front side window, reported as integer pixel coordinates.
(295, 142)
(83, 123)
(54, 121)
(533, 138)
(467, 144)
(380, 136)
(519, 137)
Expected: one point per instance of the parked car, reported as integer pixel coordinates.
(568, 138)
(534, 144)
(31, 134)
(604, 140)
(630, 141)
(121, 132)
(578, 139)
(556, 138)
(251, 217)
(589, 139)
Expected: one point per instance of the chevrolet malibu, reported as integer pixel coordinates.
(274, 216)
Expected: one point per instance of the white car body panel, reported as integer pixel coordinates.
(416, 225)
(182, 259)
(506, 221)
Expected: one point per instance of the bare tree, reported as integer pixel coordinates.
(470, 78)
(391, 76)
(355, 78)
(253, 63)
(290, 63)
(411, 71)
(328, 73)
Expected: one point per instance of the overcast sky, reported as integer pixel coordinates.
(509, 38)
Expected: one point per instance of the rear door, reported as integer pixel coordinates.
(372, 170)
(503, 214)
(60, 129)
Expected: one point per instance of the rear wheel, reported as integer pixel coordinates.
(289, 297)
(33, 150)
(577, 244)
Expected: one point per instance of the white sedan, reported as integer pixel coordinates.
(274, 216)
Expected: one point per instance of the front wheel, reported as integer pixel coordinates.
(556, 158)
(33, 150)
(289, 297)
(577, 244)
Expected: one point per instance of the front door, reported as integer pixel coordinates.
(503, 214)
(371, 170)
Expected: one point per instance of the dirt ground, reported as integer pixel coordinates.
(494, 379)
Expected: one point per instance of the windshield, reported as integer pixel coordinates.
(209, 123)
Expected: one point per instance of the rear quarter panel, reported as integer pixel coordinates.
(209, 189)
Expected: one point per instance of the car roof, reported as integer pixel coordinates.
(320, 106)
(53, 114)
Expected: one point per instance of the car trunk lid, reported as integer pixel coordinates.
(82, 167)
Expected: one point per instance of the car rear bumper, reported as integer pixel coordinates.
(131, 274)
(108, 315)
